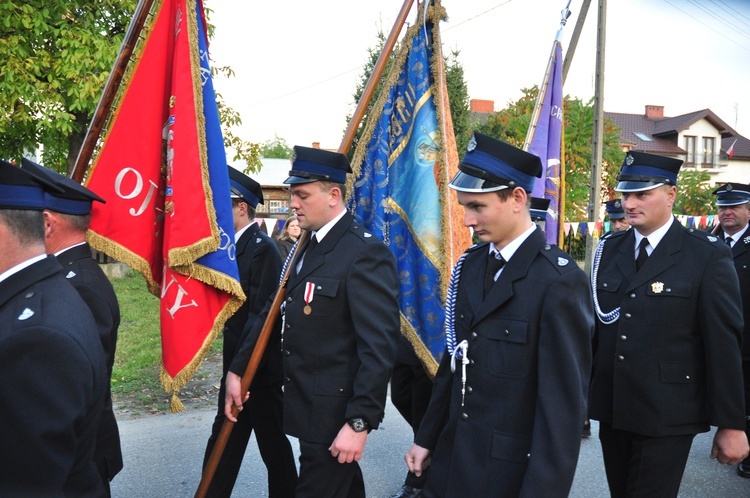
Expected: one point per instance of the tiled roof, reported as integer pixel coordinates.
(630, 124)
(663, 132)
(741, 148)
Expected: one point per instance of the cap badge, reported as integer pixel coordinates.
(562, 262)
(657, 287)
(728, 187)
(629, 160)
(618, 204)
(472, 144)
(26, 314)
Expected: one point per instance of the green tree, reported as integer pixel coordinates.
(372, 58)
(694, 194)
(56, 60)
(277, 148)
(511, 124)
(458, 96)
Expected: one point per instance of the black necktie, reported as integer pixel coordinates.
(728, 240)
(311, 245)
(494, 262)
(642, 254)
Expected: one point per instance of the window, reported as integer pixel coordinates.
(708, 150)
(690, 149)
(642, 136)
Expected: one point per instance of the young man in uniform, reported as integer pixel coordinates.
(510, 393)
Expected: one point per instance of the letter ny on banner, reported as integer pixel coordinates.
(161, 166)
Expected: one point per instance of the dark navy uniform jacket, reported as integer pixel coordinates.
(338, 358)
(670, 365)
(518, 432)
(741, 258)
(81, 270)
(259, 265)
(54, 383)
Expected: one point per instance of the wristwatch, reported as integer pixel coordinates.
(358, 424)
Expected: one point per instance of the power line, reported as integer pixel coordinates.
(708, 26)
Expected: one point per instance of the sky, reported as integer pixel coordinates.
(297, 63)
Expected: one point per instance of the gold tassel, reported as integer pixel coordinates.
(175, 405)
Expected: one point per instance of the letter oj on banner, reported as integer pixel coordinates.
(162, 169)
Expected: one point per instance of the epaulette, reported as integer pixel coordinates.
(612, 234)
(704, 236)
(559, 258)
(475, 247)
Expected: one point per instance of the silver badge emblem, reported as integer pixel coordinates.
(257, 241)
(729, 187)
(629, 160)
(472, 144)
(368, 235)
(70, 274)
(562, 262)
(618, 204)
(711, 238)
(746, 240)
(26, 314)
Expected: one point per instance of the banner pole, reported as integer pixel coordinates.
(110, 89)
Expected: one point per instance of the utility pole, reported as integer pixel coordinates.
(598, 135)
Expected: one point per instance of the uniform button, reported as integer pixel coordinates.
(289, 299)
(318, 287)
(632, 296)
(604, 284)
(462, 317)
(341, 389)
(469, 389)
(623, 338)
(621, 358)
(29, 294)
(473, 335)
(288, 326)
(528, 455)
(287, 379)
(507, 332)
(471, 362)
(628, 315)
(668, 289)
(687, 377)
(464, 416)
(287, 352)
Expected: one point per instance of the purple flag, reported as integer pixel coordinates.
(546, 144)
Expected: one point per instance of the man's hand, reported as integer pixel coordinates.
(232, 398)
(348, 445)
(730, 446)
(417, 459)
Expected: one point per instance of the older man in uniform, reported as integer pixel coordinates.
(667, 364)
(259, 267)
(510, 393)
(616, 215)
(341, 325)
(66, 219)
(51, 361)
(733, 201)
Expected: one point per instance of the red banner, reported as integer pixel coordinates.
(162, 169)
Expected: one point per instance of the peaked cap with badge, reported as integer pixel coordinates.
(243, 187)
(732, 194)
(69, 196)
(615, 211)
(538, 209)
(642, 171)
(312, 165)
(490, 165)
(21, 190)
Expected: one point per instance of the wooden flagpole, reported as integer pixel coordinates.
(273, 314)
(110, 89)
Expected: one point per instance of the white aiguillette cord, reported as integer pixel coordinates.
(461, 349)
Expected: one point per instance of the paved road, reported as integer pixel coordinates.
(163, 455)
